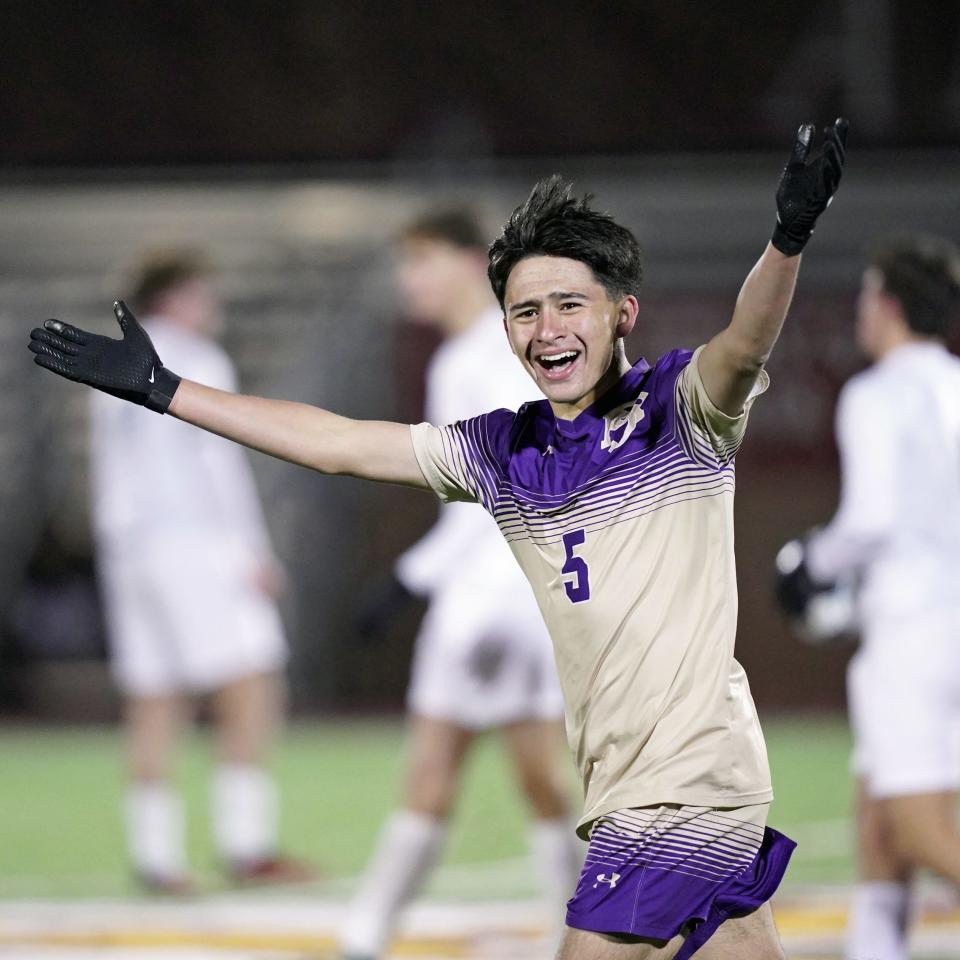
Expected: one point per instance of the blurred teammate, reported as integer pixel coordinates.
(898, 529)
(189, 581)
(616, 496)
(483, 656)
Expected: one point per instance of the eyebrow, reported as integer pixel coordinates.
(556, 295)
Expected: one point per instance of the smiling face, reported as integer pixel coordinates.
(566, 330)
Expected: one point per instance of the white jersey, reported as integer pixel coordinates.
(154, 476)
(468, 374)
(181, 539)
(898, 524)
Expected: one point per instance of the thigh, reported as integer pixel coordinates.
(536, 747)
(585, 945)
(753, 937)
(436, 752)
(877, 857)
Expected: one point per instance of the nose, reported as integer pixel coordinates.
(550, 326)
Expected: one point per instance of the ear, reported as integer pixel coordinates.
(627, 312)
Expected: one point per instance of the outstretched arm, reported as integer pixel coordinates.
(299, 433)
(129, 368)
(731, 362)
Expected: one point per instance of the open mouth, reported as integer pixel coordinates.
(558, 366)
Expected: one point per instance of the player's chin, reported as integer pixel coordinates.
(568, 391)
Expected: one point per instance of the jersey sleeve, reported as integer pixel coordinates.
(708, 434)
(465, 461)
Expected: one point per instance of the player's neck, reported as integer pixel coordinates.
(900, 338)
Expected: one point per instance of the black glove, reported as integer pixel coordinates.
(381, 604)
(795, 586)
(807, 185)
(819, 612)
(127, 368)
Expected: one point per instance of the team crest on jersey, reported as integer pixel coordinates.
(620, 423)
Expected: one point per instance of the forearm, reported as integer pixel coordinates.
(761, 309)
(302, 434)
(732, 360)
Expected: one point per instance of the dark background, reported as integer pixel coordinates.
(155, 83)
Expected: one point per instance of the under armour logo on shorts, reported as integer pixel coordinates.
(603, 878)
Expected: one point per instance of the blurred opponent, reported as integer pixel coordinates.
(615, 494)
(483, 657)
(898, 529)
(189, 580)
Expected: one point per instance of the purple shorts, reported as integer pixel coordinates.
(655, 872)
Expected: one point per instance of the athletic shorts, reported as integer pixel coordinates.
(903, 693)
(484, 658)
(656, 872)
(184, 616)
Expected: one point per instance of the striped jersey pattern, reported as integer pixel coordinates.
(682, 464)
(702, 842)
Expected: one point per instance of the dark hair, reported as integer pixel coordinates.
(552, 222)
(163, 270)
(460, 226)
(923, 273)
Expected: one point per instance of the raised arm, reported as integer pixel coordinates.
(130, 368)
(731, 362)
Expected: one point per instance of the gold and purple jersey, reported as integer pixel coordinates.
(622, 521)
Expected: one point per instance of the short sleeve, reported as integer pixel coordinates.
(710, 435)
(466, 460)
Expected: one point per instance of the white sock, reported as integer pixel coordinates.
(878, 920)
(244, 812)
(153, 813)
(409, 846)
(557, 855)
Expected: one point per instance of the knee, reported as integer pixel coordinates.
(910, 841)
(432, 790)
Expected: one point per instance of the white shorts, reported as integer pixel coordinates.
(484, 658)
(184, 616)
(903, 691)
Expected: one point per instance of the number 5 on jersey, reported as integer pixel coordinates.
(575, 570)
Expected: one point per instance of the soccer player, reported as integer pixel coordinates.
(615, 494)
(189, 580)
(898, 530)
(483, 657)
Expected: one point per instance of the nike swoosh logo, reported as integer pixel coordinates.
(150, 378)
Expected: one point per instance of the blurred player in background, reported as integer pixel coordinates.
(483, 656)
(898, 530)
(189, 580)
(615, 494)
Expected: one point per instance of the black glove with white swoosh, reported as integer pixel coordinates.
(128, 368)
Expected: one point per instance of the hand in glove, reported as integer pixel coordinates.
(128, 368)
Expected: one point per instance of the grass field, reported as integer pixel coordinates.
(60, 833)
